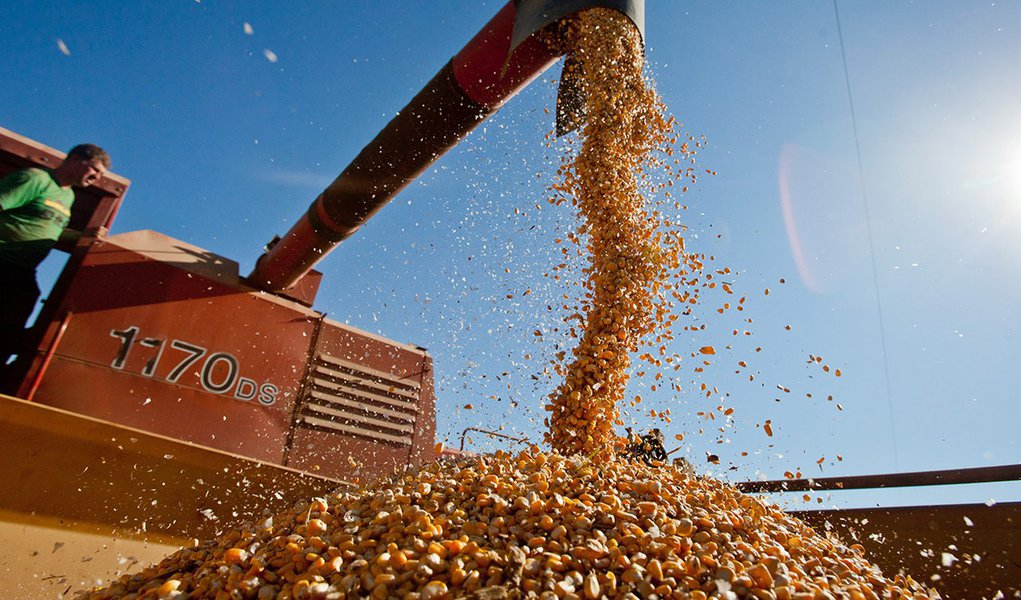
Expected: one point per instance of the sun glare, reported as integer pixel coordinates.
(1013, 173)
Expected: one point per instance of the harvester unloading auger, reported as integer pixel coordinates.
(514, 48)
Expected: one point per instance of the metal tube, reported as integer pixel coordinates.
(490, 433)
(480, 78)
(859, 482)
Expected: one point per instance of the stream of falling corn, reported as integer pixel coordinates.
(575, 523)
(624, 124)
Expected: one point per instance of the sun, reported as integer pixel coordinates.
(1013, 172)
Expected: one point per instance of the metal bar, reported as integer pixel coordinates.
(362, 406)
(34, 153)
(372, 435)
(381, 375)
(351, 417)
(45, 364)
(362, 394)
(491, 434)
(353, 379)
(890, 480)
(306, 383)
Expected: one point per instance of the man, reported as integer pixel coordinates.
(35, 208)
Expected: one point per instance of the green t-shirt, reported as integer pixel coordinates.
(34, 210)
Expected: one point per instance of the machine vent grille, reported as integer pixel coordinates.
(353, 399)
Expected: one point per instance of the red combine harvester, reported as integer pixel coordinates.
(168, 396)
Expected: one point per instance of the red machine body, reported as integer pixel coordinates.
(163, 336)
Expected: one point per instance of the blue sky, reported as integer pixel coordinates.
(226, 147)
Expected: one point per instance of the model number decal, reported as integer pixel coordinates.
(220, 372)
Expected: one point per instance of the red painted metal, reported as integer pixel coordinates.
(166, 337)
(101, 478)
(424, 448)
(296, 253)
(487, 70)
(332, 454)
(983, 543)
(47, 357)
(144, 306)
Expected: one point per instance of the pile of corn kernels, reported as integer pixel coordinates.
(530, 525)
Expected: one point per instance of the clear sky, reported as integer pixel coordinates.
(902, 269)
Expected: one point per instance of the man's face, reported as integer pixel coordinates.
(85, 172)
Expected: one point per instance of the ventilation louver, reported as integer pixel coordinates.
(356, 400)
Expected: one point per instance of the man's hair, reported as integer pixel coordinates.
(90, 152)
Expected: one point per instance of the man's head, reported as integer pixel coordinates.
(84, 165)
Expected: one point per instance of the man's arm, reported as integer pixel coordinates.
(17, 189)
(69, 237)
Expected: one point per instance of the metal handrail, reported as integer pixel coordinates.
(920, 478)
(492, 434)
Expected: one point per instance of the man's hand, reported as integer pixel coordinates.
(70, 237)
(97, 232)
